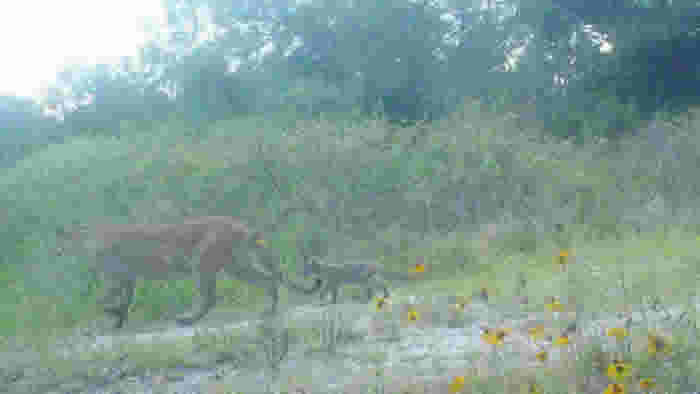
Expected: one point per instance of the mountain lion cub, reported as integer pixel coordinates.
(200, 246)
(368, 275)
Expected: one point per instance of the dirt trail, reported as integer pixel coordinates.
(427, 349)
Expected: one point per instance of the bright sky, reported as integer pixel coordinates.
(40, 36)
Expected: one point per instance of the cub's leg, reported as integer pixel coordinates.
(370, 293)
(376, 283)
(334, 294)
(384, 290)
(323, 293)
(333, 289)
(123, 291)
(373, 284)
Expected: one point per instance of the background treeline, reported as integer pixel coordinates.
(407, 61)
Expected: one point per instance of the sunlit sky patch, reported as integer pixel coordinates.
(40, 37)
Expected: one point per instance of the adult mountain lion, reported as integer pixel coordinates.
(200, 246)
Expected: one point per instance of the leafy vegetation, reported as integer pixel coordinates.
(403, 198)
(549, 139)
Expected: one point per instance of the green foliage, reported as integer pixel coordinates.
(23, 129)
(106, 93)
(360, 185)
(378, 56)
(367, 57)
(403, 60)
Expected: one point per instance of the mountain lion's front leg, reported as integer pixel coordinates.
(206, 284)
(205, 264)
(273, 290)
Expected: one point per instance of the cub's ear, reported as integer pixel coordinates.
(258, 240)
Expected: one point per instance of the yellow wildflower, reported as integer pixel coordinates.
(534, 388)
(658, 344)
(562, 257)
(618, 370)
(541, 356)
(460, 303)
(381, 302)
(562, 340)
(553, 305)
(615, 388)
(647, 384)
(536, 332)
(618, 332)
(494, 337)
(457, 384)
(483, 294)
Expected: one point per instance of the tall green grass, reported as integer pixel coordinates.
(374, 185)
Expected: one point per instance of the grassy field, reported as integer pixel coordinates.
(602, 227)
